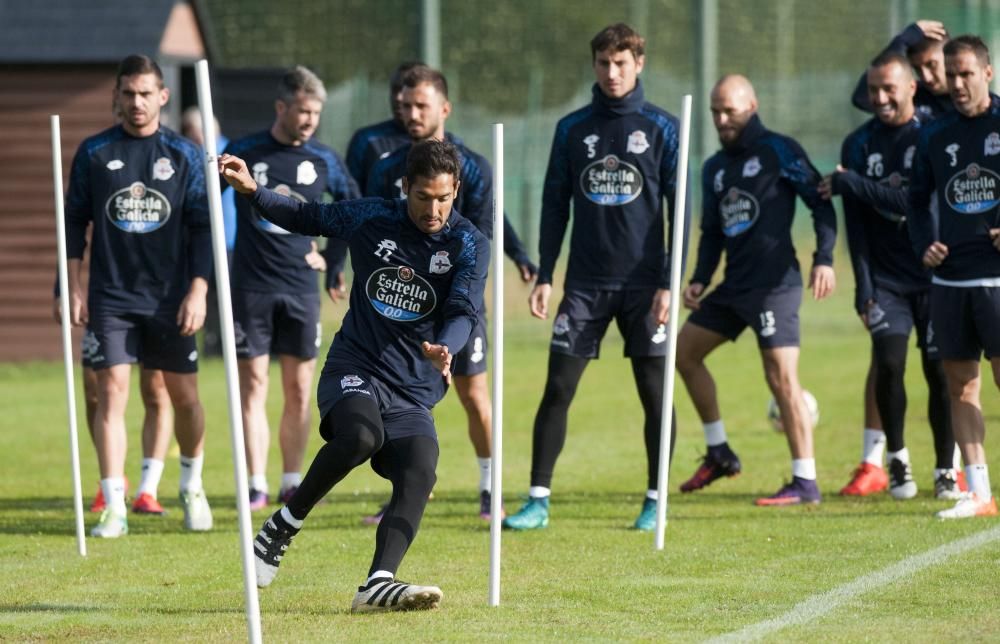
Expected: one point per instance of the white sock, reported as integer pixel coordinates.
(804, 468)
(539, 492)
(873, 447)
(715, 433)
(191, 472)
(152, 470)
(957, 459)
(286, 514)
(377, 574)
(288, 480)
(258, 482)
(652, 494)
(114, 494)
(978, 477)
(902, 455)
(485, 474)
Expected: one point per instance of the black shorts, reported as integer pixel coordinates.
(125, 338)
(401, 417)
(471, 360)
(897, 314)
(772, 313)
(283, 324)
(965, 321)
(584, 316)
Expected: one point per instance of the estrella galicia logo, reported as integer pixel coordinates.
(974, 190)
(611, 182)
(739, 211)
(138, 209)
(272, 228)
(400, 294)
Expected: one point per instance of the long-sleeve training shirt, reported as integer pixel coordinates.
(475, 195)
(614, 160)
(957, 162)
(748, 203)
(146, 200)
(268, 258)
(878, 159)
(409, 286)
(371, 143)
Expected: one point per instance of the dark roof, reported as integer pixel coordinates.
(93, 31)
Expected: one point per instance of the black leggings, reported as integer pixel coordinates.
(890, 396)
(354, 433)
(560, 387)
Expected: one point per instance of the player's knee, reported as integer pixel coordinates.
(418, 479)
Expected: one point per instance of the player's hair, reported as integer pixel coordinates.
(300, 79)
(396, 80)
(136, 64)
(969, 42)
(420, 74)
(618, 37)
(924, 44)
(430, 158)
(888, 57)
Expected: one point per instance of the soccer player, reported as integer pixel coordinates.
(614, 160)
(142, 188)
(749, 191)
(923, 45)
(276, 305)
(891, 285)
(956, 168)
(419, 274)
(424, 107)
(379, 140)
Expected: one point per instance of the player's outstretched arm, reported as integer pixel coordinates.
(234, 170)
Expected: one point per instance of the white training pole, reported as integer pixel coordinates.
(228, 351)
(676, 255)
(67, 339)
(496, 475)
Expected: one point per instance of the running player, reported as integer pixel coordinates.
(142, 188)
(424, 109)
(956, 168)
(614, 160)
(891, 285)
(276, 303)
(419, 273)
(749, 190)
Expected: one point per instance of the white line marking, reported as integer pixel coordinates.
(819, 605)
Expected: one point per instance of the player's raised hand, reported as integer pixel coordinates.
(234, 170)
(538, 300)
(440, 357)
(661, 306)
(822, 281)
(935, 254)
(692, 295)
(933, 29)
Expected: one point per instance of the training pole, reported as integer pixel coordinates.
(669, 376)
(67, 338)
(228, 350)
(496, 474)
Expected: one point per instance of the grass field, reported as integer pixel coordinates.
(727, 566)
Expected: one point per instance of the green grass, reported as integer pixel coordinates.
(727, 564)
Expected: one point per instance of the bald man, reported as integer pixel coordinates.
(748, 203)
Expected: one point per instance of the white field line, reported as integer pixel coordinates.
(819, 605)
